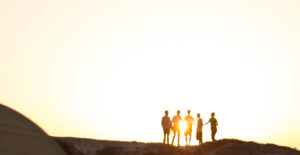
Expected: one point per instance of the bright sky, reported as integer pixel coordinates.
(109, 69)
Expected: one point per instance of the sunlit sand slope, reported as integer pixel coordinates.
(20, 136)
(77, 146)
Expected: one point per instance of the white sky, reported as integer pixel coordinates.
(108, 70)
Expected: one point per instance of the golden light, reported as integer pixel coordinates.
(166, 56)
(183, 126)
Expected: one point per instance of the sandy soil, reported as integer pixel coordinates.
(78, 146)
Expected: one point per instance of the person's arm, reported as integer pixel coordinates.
(207, 122)
(170, 123)
(173, 122)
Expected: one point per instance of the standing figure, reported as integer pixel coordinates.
(176, 127)
(166, 125)
(199, 129)
(213, 126)
(189, 123)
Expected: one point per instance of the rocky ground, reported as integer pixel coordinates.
(78, 146)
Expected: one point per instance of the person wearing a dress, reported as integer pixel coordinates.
(199, 129)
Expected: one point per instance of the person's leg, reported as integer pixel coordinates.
(186, 134)
(213, 134)
(178, 137)
(200, 138)
(174, 134)
(164, 136)
(190, 133)
(190, 138)
(168, 134)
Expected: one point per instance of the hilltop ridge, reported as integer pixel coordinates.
(82, 146)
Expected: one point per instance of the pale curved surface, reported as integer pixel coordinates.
(20, 136)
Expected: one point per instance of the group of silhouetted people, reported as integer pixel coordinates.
(174, 125)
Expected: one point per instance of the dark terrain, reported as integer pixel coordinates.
(78, 146)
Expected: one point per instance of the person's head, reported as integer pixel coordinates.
(178, 112)
(166, 112)
(212, 114)
(198, 115)
(189, 112)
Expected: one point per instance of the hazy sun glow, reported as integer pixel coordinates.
(109, 69)
(183, 126)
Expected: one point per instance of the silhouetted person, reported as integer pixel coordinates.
(213, 126)
(176, 127)
(199, 129)
(189, 123)
(166, 124)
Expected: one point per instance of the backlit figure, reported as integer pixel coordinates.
(199, 129)
(176, 126)
(213, 126)
(189, 124)
(166, 125)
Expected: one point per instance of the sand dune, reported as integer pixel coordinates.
(20, 136)
(78, 146)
